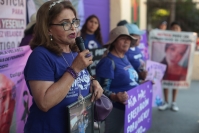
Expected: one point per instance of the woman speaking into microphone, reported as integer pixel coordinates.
(55, 71)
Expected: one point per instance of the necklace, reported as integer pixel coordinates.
(80, 97)
(65, 59)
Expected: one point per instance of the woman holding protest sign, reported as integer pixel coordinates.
(134, 54)
(174, 72)
(116, 75)
(55, 73)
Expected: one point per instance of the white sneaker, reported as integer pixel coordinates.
(164, 106)
(174, 107)
(96, 125)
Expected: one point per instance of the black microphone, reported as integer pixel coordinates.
(80, 44)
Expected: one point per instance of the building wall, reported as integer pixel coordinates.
(142, 14)
(121, 9)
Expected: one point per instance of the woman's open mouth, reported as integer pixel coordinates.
(72, 35)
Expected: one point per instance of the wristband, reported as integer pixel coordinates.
(72, 72)
(88, 55)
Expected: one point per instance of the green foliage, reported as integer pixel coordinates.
(158, 14)
(186, 13)
(162, 12)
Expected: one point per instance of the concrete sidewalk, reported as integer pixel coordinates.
(186, 120)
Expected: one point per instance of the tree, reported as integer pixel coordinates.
(186, 13)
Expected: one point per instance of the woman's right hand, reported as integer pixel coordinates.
(81, 61)
(122, 97)
(143, 75)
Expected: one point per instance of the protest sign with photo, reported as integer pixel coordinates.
(155, 73)
(138, 111)
(80, 116)
(15, 99)
(176, 51)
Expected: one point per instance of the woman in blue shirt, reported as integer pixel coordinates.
(91, 33)
(55, 73)
(134, 54)
(116, 75)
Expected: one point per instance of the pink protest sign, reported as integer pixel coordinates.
(14, 95)
(176, 51)
(155, 73)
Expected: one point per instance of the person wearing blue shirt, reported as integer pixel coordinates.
(55, 73)
(134, 54)
(116, 76)
(91, 33)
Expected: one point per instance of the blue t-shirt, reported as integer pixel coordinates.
(136, 59)
(123, 75)
(46, 66)
(91, 42)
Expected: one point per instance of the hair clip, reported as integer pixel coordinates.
(54, 3)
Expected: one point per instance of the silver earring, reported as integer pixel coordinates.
(51, 37)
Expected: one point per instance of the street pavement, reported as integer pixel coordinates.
(186, 120)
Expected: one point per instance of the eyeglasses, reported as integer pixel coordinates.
(68, 25)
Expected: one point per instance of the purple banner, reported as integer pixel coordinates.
(143, 46)
(155, 73)
(138, 110)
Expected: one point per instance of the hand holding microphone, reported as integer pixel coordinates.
(96, 88)
(81, 46)
(84, 58)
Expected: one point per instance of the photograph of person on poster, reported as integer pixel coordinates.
(7, 103)
(173, 55)
(81, 117)
(176, 59)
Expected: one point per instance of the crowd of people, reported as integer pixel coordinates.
(60, 68)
